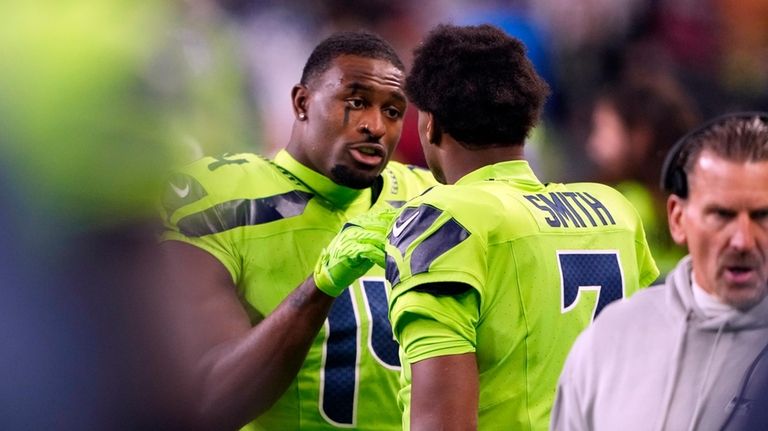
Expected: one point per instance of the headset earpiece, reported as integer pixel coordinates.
(678, 182)
(673, 179)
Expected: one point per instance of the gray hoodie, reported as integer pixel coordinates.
(655, 362)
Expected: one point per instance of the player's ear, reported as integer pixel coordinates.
(300, 98)
(675, 212)
(434, 131)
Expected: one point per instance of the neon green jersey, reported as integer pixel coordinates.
(267, 223)
(536, 264)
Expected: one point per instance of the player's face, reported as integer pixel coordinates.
(724, 222)
(354, 118)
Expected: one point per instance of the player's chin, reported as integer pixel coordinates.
(356, 177)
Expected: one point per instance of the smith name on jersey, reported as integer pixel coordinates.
(513, 270)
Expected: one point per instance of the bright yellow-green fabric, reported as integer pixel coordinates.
(267, 223)
(432, 325)
(666, 253)
(494, 232)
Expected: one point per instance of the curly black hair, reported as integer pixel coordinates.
(359, 43)
(478, 84)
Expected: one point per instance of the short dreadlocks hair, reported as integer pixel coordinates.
(359, 43)
(478, 84)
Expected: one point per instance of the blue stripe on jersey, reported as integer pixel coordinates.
(450, 234)
(392, 273)
(244, 212)
(411, 223)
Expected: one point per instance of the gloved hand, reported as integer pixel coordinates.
(353, 251)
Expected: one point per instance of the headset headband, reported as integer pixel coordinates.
(673, 177)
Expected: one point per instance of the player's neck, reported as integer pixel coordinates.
(338, 195)
(459, 161)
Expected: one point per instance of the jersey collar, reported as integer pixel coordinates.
(517, 171)
(321, 185)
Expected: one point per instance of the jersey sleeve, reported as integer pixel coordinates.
(429, 246)
(427, 325)
(196, 212)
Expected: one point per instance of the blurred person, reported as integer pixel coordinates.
(263, 338)
(634, 123)
(82, 151)
(489, 272)
(678, 356)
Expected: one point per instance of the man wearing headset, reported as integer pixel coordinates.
(682, 356)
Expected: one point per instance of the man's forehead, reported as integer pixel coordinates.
(716, 177)
(350, 69)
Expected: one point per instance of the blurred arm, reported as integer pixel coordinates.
(238, 370)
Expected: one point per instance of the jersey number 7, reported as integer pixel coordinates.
(595, 270)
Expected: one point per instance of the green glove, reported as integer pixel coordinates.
(353, 251)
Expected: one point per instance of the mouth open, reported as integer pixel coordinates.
(739, 274)
(371, 155)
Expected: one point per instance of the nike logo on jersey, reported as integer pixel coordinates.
(181, 189)
(181, 192)
(398, 228)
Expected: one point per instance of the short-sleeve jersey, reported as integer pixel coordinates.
(267, 222)
(533, 264)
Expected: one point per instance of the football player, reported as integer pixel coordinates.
(495, 273)
(266, 341)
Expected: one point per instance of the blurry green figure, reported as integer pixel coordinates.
(95, 97)
(78, 118)
(98, 98)
(634, 123)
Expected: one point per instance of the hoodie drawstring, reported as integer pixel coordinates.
(676, 364)
(706, 385)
